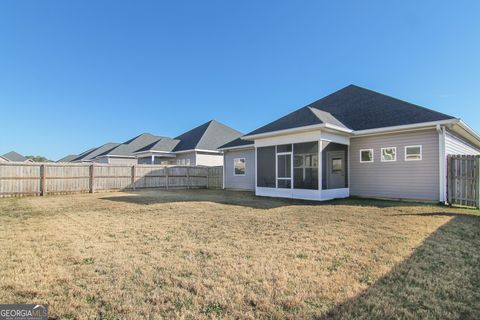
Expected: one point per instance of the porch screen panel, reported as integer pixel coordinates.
(305, 165)
(266, 167)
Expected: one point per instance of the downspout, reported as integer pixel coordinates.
(441, 163)
(224, 162)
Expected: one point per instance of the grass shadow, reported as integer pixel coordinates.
(237, 198)
(440, 280)
(247, 199)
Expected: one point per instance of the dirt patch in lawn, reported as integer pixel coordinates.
(215, 254)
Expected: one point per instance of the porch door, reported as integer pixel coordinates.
(335, 169)
(284, 170)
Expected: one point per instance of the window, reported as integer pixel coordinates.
(239, 166)
(305, 165)
(413, 153)
(337, 165)
(266, 167)
(389, 154)
(183, 162)
(366, 155)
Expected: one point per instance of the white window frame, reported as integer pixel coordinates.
(187, 161)
(285, 153)
(416, 146)
(245, 170)
(381, 154)
(373, 154)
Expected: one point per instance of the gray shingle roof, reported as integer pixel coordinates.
(14, 156)
(164, 144)
(208, 136)
(68, 158)
(129, 147)
(355, 108)
(238, 143)
(94, 152)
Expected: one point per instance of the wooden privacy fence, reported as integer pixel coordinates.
(464, 180)
(22, 179)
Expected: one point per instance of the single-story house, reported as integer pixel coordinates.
(90, 154)
(353, 142)
(13, 156)
(123, 152)
(197, 146)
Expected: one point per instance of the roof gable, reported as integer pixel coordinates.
(239, 142)
(94, 152)
(355, 108)
(129, 147)
(14, 156)
(208, 136)
(164, 144)
(359, 109)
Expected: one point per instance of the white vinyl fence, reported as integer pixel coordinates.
(23, 179)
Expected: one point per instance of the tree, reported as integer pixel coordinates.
(38, 159)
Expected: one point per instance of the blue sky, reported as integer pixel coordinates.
(76, 74)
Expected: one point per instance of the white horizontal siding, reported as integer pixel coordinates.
(209, 159)
(400, 179)
(246, 182)
(456, 145)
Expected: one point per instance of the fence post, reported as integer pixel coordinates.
(208, 176)
(133, 178)
(188, 177)
(166, 177)
(449, 180)
(477, 181)
(43, 177)
(92, 177)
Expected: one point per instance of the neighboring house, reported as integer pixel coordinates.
(90, 154)
(196, 147)
(158, 152)
(353, 142)
(124, 153)
(13, 156)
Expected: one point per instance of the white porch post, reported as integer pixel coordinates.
(153, 159)
(320, 177)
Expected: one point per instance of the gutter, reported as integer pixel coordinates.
(197, 150)
(442, 155)
(405, 127)
(246, 147)
(297, 130)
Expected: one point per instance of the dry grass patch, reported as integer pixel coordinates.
(214, 254)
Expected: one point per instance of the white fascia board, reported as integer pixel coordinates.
(245, 147)
(113, 156)
(469, 129)
(295, 130)
(198, 150)
(432, 124)
(283, 132)
(146, 152)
